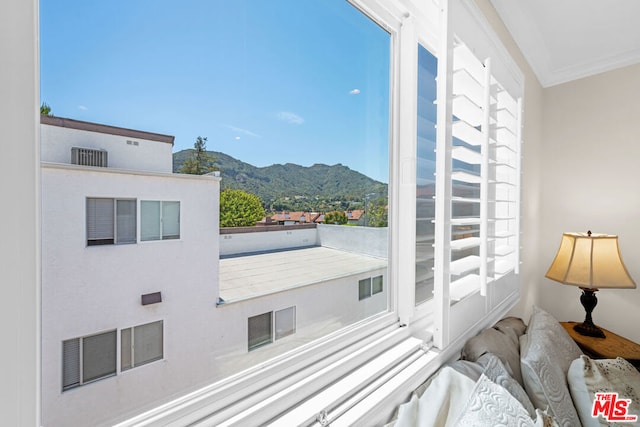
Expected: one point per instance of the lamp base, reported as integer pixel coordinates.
(589, 330)
(589, 302)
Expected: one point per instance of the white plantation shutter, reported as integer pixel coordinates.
(478, 168)
(505, 211)
(469, 154)
(100, 219)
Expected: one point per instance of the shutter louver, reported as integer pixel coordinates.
(468, 174)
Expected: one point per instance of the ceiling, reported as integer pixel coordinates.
(564, 40)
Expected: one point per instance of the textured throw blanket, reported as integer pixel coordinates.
(613, 376)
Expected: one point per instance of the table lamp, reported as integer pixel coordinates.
(592, 262)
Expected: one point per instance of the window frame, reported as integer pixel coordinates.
(90, 215)
(263, 339)
(161, 223)
(81, 360)
(408, 26)
(273, 331)
(370, 290)
(133, 363)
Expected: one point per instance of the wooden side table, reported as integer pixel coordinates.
(610, 347)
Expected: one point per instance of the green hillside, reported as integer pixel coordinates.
(294, 187)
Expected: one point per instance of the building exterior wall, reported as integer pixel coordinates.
(321, 308)
(266, 238)
(91, 289)
(372, 241)
(127, 150)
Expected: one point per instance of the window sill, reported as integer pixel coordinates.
(325, 361)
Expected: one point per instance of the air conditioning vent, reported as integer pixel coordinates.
(88, 157)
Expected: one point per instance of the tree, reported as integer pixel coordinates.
(338, 218)
(200, 161)
(239, 208)
(45, 109)
(377, 214)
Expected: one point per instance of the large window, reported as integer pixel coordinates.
(87, 359)
(410, 95)
(111, 221)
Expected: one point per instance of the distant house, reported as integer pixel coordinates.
(295, 218)
(354, 216)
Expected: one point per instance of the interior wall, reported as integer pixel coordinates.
(590, 176)
(530, 275)
(19, 220)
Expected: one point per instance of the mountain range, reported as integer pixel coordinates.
(282, 183)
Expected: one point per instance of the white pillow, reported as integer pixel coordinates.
(441, 402)
(490, 405)
(587, 377)
(495, 370)
(561, 346)
(546, 352)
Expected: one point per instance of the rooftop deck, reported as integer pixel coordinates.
(251, 276)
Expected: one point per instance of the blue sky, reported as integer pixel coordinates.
(265, 81)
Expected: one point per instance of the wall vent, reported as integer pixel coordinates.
(88, 157)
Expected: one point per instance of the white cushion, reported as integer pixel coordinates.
(546, 352)
(587, 376)
(440, 404)
(490, 405)
(501, 340)
(495, 370)
(561, 346)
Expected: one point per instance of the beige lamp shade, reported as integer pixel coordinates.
(591, 261)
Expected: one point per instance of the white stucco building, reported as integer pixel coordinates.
(143, 299)
(122, 252)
